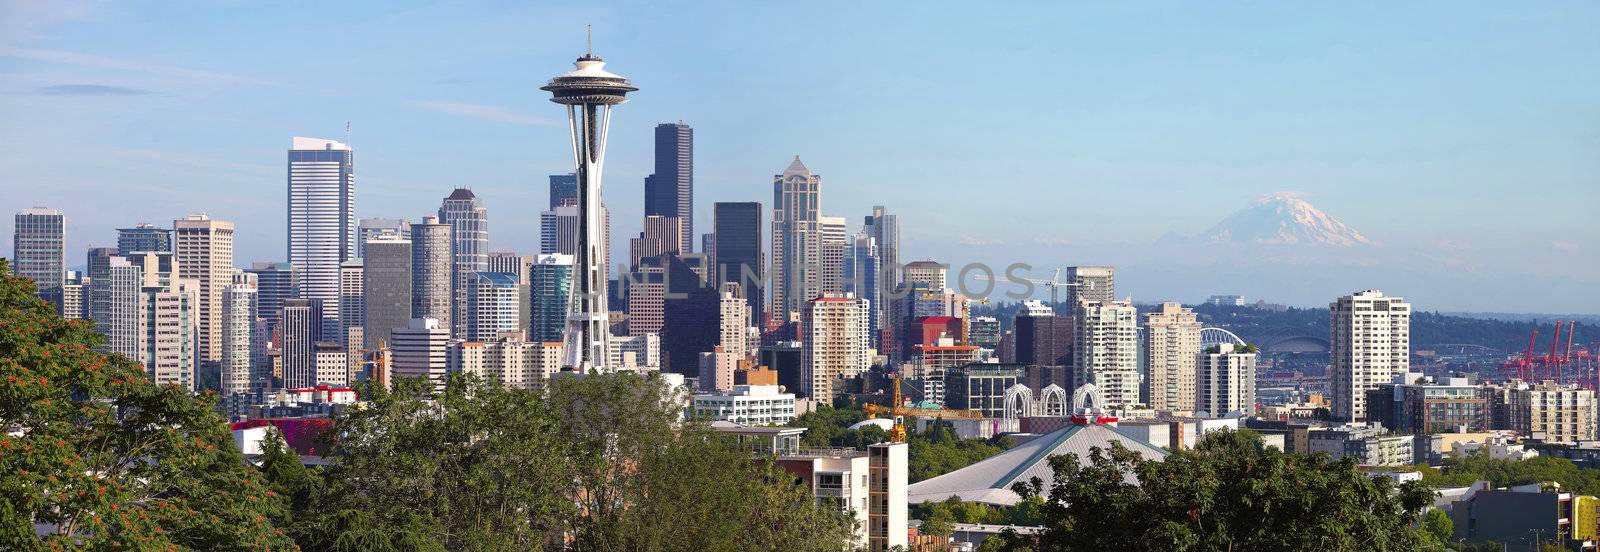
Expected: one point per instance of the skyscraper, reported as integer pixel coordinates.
(563, 190)
(432, 263)
(322, 221)
(469, 245)
(275, 282)
(885, 230)
(421, 350)
(796, 240)
(387, 288)
(589, 92)
(75, 297)
(352, 303)
(172, 314)
(239, 339)
(143, 237)
(661, 236)
(370, 228)
(301, 327)
(737, 237)
(1370, 343)
(117, 306)
(39, 250)
(1042, 338)
(1225, 381)
(1105, 351)
(549, 288)
(1091, 283)
(834, 333)
(203, 252)
(510, 261)
(670, 191)
(1171, 351)
(558, 233)
(861, 273)
(832, 232)
(497, 303)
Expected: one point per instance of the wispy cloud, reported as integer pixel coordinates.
(1452, 245)
(484, 112)
(91, 90)
(99, 62)
(23, 19)
(1564, 245)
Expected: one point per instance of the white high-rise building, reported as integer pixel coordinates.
(636, 353)
(322, 221)
(834, 331)
(1106, 350)
(117, 307)
(1171, 349)
(332, 364)
(1226, 382)
(497, 304)
(421, 350)
(796, 240)
(469, 246)
(834, 243)
(174, 317)
(1369, 344)
(352, 302)
(203, 252)
(239, 339)
(370, 228)
(1091, 283)
(734, 318)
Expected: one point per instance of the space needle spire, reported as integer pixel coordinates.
(588, 91)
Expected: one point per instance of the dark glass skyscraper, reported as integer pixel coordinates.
(670, 191)
(737, 243)
(563, 187)
(141, 238)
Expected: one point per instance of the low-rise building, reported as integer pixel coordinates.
(755, 405)
(1368, 443)
(1419, 404)
(1551, 412)
(1525, 514)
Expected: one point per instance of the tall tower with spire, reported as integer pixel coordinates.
(589, 91)
(796, 240)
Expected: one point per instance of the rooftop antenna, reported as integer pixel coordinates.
(588, 37)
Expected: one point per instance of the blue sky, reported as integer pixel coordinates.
(1455, 134)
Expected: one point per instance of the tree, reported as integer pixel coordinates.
(100, 457)
(1438, 525)
(1228, 493)
(472, 466)
(937, 519)
(645, 482)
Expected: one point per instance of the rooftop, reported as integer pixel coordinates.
(989, 481)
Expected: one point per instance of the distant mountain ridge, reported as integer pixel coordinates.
(1283, 219)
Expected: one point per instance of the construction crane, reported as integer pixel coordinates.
(899, 411)
(1054, 283)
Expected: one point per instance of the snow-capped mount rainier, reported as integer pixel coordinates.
(1283, 219)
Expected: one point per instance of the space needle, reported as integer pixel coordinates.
(588, 92)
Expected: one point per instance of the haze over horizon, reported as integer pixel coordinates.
(1458, 140)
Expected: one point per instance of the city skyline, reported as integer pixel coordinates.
(1428, 163)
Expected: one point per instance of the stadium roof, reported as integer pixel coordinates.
(990, 480)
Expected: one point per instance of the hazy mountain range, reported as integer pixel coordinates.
(1281, 248)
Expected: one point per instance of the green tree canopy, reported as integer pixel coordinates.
(103, 459)
(599, 462)
(1228, 493)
